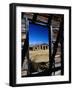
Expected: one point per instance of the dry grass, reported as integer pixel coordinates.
(39, 55)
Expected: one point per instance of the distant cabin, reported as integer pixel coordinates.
(39, 47)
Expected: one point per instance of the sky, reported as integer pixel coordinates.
(37, 34)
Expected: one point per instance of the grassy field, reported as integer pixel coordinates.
(39, 56)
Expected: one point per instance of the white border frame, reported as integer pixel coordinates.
(27, 80)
